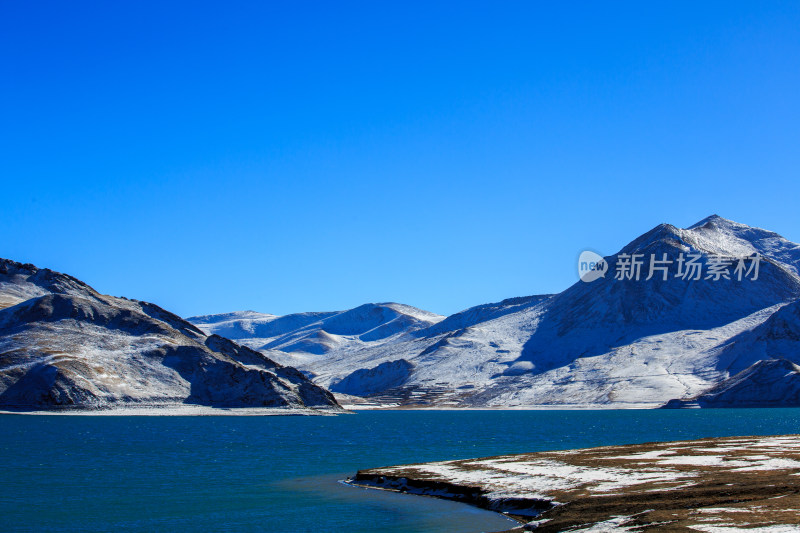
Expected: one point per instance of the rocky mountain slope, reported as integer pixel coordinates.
(612, 342)
(64, 345)
(767, 383)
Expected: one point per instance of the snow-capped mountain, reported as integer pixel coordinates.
(64, 345)
(717, 288)
(311, 335)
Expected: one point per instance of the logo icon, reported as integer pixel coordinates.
(591, 266)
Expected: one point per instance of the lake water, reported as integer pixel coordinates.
(279, 474)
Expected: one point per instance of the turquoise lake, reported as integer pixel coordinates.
(280, 473)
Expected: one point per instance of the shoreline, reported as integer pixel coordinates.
(180, 410)
(204, 410)
(516, 522)
(588, 407)
(723, 483)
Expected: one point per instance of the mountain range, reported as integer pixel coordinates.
(706, 316)
(622, 340)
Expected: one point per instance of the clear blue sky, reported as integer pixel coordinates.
(297, 156)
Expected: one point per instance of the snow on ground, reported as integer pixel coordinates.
(711, 483)
(182, 410)
(738, 528)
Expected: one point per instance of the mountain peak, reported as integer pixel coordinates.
(716, 220)
(715, 235)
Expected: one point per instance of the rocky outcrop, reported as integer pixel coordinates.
(368, 381)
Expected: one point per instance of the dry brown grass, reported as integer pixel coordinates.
(727, 492)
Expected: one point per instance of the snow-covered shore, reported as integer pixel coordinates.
(709, 485)
(181, 410)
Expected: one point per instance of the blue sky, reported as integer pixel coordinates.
(301, 156)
